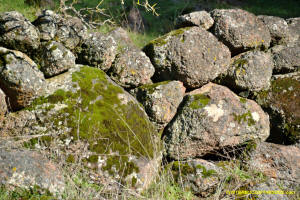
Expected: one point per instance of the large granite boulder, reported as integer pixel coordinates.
(282, 103)
(250, 71)
(98, 50)
(90, 119)
(16, 32)
(213, 118)
(191, 55)
(70, 31)
(131, 68)
(20, 78)
(240, 30)
(286, 58)
(198, 18)
(294, 28)
(279, 162)
(3, 106)
(53, 58)
(278, 29)
(160, 100)
(26, 169)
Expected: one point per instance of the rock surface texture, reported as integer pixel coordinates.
(190, 55)
(27, 169)
(198, 18)
(213, 118)
(16, 32)
(20, 78)
(240, 30)
(3, 106)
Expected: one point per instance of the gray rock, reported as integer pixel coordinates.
(161, 100)
(240, 30)
(98, 50)
(251, 71)
(131, 68)
(121, 37)
(20, 78)
(191, 55)
(286, 59)
(54, 58)
(16, 32)
(3, 106)
(198, 18)
(294, 28)
(200, 176)
(282, 103)
(279, 162)
(211, 119)
(278, 29)
(27, 169)
(93, 120)
(265, 191)
(70, 31)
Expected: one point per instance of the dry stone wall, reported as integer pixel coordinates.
(223, 80)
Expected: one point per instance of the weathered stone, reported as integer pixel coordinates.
(16, 32)
(26, 169)
(278, 28)
(121, 37)
(240, 30)
(213, 118)
(161, 100)
(88, 117)
(191, 55)
(199, 176)
(3, 106)
(282, 103)
(294, 28)
(132, 68)
(198, 18)
(98, 50)
(54, 58)
(279, 162)
(70, 31)
(251, 71)
(20, 78)
(286, 59)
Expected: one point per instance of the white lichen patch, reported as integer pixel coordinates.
(214, 111)
(255, 116)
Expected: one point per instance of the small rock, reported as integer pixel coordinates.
(16, 32)
(191, 55)
(251, 71)
(132, 68)
(98, 50)
(278, 29)
(161, 100)
(20, 78)
(279, 162)
(3, 106)
(27, 169)
(240, 30)
(54, 59)
(286, 59)
(211, 119)
(198, 18)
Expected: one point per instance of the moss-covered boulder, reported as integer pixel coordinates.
(97, 124)
(282, 102)
(191, 55)
(211, 119)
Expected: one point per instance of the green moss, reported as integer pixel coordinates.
(206, 173)
(53, 48)
(198, 101)
(150, 88)
(243, 100)
(96, 115)
(70, 159)
(246, 117)
(183, 168)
